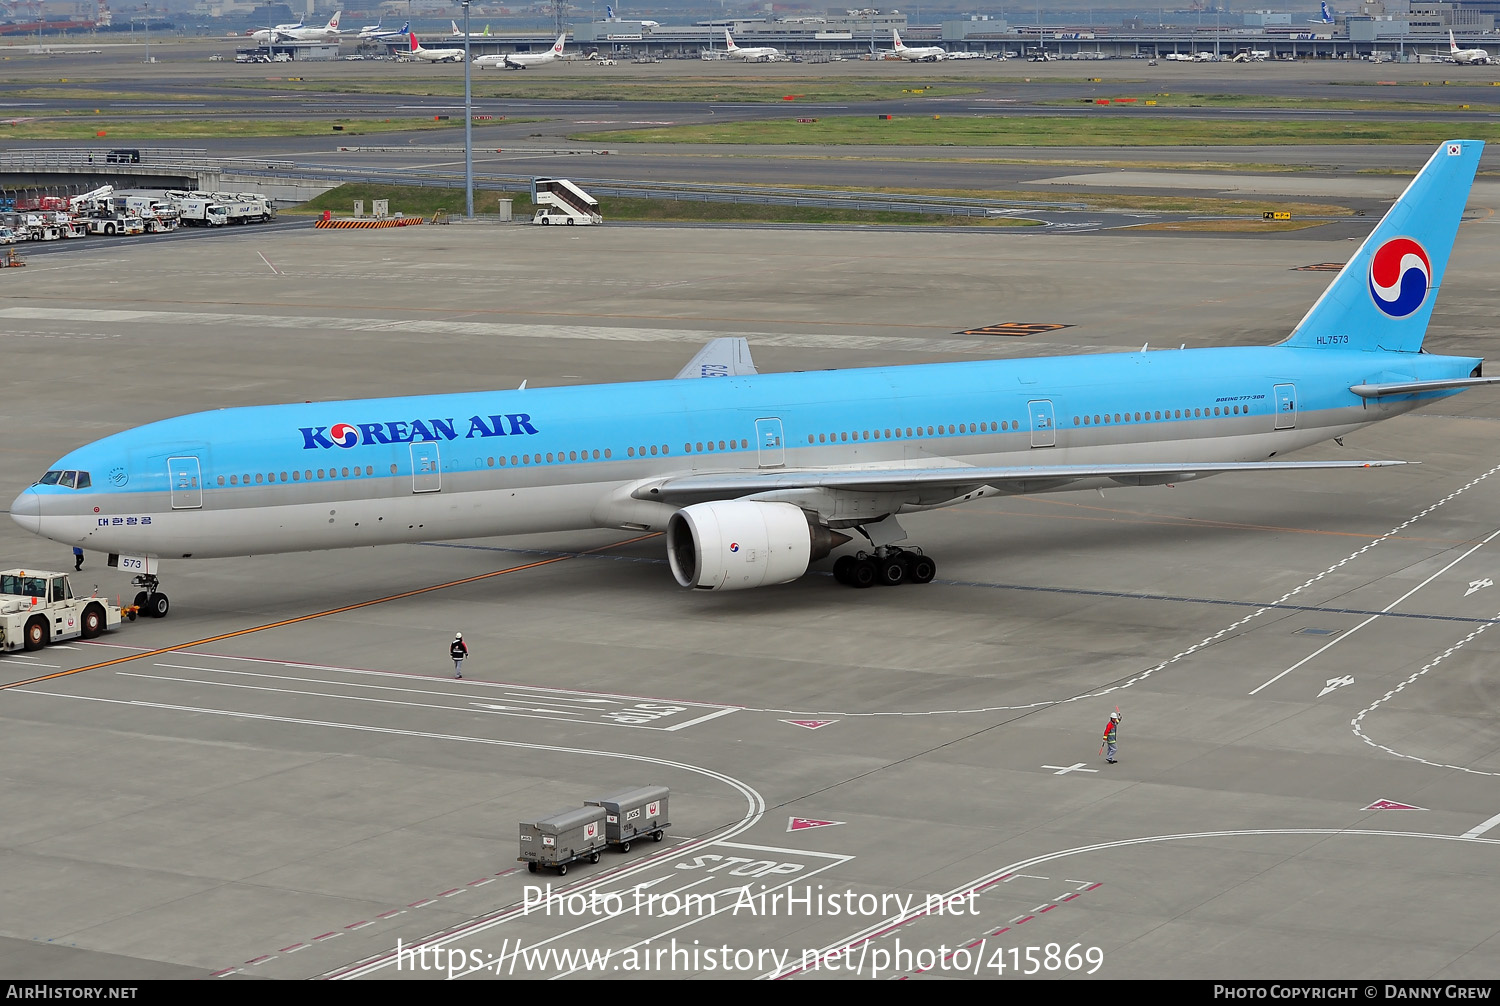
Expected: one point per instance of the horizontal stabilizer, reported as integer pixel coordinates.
(727, 357)
(1018, 479)
(1418, 387)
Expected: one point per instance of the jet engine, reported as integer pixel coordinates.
(739, 544)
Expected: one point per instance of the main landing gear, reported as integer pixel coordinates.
(151, 601)
(887, 565)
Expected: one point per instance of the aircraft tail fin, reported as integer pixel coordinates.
(1383, 297)
(896, 40)
(1452, 44)
(562, 40)
(415, 45)
(333, 22)
(729, 40)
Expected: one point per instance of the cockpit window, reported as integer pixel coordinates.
(66, 479)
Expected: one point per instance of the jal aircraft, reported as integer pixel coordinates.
(764, 52)
(523, 60)
(325, 33)
(919, 54)
(755, 476)
(1469, 57)
(418, 51)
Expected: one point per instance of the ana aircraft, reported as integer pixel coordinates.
(324, 33)
(609, 15)
(1327, 15)
(1469, 57)
(755, 476)
(523, 60)
(917, 54)
(374, 32)
(418, 51)
(753, 54)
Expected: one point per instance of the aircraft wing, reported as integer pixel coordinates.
(1015, 480)
(729, 357)
(1417, 387)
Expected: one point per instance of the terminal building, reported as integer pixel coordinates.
(1389, 29)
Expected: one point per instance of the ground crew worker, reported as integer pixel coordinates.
(1111, 736)
(458, 651)
(77, 558)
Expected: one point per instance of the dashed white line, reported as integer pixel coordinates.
(1482, 827)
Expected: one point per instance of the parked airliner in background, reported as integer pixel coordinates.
(609, 15)
(755, 476)
(418, 51)
(523, 60)
(1468, 57)
(752, 54)
(917, 54)
(324, 33)
(1327, 17)
(373, 33)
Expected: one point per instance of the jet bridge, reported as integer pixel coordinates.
(558, 200)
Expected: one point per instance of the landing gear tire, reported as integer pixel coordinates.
(921, 569)
(157, 605)
(891, 572)
(36, 634)
(863, 573)
(93, 622)
(841, 567)
(140, 601)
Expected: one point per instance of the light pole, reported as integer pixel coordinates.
(468, 126)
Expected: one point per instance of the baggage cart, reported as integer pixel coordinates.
(562, 837)
(634, 814)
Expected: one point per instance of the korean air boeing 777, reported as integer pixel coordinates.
(755, 476)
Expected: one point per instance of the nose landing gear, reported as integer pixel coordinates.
(151, 601)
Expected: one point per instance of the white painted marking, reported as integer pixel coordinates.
(1357, 724)
(881, 927)
(1184, 654)
(1482, 827)
(1334, 684)
(1330, 645)
(1076, 767)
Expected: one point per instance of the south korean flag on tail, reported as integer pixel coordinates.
(1454, 149)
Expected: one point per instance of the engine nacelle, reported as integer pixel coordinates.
(739, 544)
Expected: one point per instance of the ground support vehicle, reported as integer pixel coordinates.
(37, 607)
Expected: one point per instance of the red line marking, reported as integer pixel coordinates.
(393, 911)
(326, 936)
(999, 931)
(419, 904)
(481, 881)
(293, 948)
(1047, 909)
(221, 974)
(358, 925)
(262, 957)
(971, 946)
(449, 894)
(506, 873)
(320, 614)
(1027, 919)
(1069, 897)
(1100, 884)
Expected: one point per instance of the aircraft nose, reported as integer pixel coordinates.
(26, 510)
